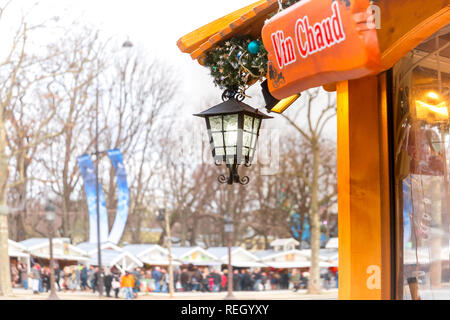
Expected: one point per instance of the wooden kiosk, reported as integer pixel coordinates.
(362, 62)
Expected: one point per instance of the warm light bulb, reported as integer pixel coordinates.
(432, 95)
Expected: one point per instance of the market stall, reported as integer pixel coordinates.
(64, 253)
(122, 260)
(387, 61)
(151, 254)
(240, 258)
(18, 253)
(196, 256)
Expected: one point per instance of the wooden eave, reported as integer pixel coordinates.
(246, 21)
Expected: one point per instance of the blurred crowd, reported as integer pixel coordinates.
(130, 283)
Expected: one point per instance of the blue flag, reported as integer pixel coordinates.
(123, 197)
(89, 178)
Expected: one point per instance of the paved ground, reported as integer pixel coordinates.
(21, 294)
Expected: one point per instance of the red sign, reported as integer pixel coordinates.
(313, 43)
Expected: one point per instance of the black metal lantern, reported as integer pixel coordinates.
(233, 129)
(50, 211)
(228, 225)
(161, 214)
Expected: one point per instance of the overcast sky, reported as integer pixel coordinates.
(155, 26)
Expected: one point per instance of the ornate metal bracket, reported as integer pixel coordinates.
(234, 176)
(239, 95)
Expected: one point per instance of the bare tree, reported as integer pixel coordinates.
(318, 109)
(21, 74)
(140, 94)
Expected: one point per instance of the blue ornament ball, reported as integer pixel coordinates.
(253, 47)
(239, 54)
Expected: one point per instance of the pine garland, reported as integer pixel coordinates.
(233, 66)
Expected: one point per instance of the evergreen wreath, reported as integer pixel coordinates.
(233, 66)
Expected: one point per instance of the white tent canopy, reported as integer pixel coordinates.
(91, 248)
(151, 254)
(289, 259)
(122, 260)
(284, 244)
(62, 249)
(196, 256)
(240, 257)
(17, 250)
(333, 243)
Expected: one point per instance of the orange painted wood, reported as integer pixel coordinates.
(330, 87)
(406, 23)
(249, 23)
(343, 185)
(363, 184)
(191, 41)
(318, 42)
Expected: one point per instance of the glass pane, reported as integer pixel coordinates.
(252, 151)
(248, 123)
(247, 139)
(256, 125)
(216, 123)
(231, 151)
(230, 122)
(245, 151)
(254, 140)
(219, 151)
(230, 138)
(421, 102)
(218, 139)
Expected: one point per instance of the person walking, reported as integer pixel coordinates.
(264, 280)
(257, 278)
(84, 278)
(91, 278)
(77, 279)
(57, 273)
(108, 281)
(14, 274)
(46, 279)
(137, 282)
(36, 276)
(327, 280)
(224, 280)
(127, 282)
(245, 281)
(157, 275)
(236, 280)
(274, 280)
(23, 275)
(284, 280)
(184, 279)
(115, 284)
(295, 279)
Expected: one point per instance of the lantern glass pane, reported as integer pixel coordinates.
(254, 139)
(247, 139)
(245, 151)
(231, 151)
(256, 125)
(252, 151)
(217, 139)
(248, 123)
(230, 122)
(231, 138)
(219, 151)
(216, 123)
